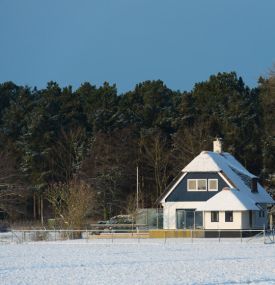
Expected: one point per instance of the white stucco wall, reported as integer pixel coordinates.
(222, 225)
(169, 212)
(240, 221)
(240, 218)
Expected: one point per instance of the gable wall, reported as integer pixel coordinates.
(180, 193)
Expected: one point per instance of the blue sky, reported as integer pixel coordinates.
(129, 41)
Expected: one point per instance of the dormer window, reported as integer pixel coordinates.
(192, 184)
(212, 184)
(197, 184)
(202, 184)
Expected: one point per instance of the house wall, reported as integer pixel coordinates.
(236, 224)
(180, 193)
(240, 218)
(259, 222)
(240, 221)
(245, 220)
(169, 212)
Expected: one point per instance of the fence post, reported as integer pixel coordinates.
(192, 235)
(264, 234)
(219, 235)
(138, 235)
(241, 235)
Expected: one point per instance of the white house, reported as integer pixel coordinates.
(214, 191)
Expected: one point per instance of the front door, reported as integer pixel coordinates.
(185, 218)
(190, 219)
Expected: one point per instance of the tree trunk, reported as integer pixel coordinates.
(38, 206)
(41, 210)
(34, 206)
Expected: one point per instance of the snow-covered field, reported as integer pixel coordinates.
(149, 261)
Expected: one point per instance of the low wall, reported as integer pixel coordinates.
(176, 234)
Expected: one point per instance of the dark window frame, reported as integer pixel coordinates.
(228, 219)
(214, 216)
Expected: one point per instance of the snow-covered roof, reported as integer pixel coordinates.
(212, 161)
(202, 163)
(229, 200)
(238, 176)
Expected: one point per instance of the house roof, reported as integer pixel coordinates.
(212, 161)
(235, 172)
(231, 170)
(229, 200)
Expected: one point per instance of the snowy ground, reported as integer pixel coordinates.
(149, 261)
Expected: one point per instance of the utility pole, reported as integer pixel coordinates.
(137, 187)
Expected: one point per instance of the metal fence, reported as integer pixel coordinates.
(138, 235)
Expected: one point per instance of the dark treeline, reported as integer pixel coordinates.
(55, 134)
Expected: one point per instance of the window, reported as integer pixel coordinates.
(196, 184)
(229, 216)
(201, 184)
(192, 184)
(214, 216)
(212, 184)
(261, 214)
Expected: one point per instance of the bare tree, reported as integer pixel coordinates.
(71, 203)
(110, 168)
(156, 156)
(64, 159)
